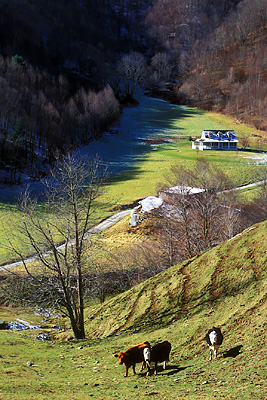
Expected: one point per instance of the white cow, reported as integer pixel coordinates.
(214, 338)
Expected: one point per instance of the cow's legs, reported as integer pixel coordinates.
(143, 365)
(134, 369)
(155, 370)
(211, 352)
(216, 347)
(148, 368)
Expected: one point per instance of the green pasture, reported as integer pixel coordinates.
(9, 214)
(225, 286)
(78, 371)
(145, 179)
(148, 175)
(189, 121)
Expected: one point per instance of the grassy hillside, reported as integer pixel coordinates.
(225, 286)
(216, 284)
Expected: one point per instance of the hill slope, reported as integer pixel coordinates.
(225, 286)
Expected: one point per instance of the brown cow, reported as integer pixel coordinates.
(132, 356)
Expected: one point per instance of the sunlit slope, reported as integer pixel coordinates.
(225, 286)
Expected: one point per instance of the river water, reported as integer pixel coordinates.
(122, 150)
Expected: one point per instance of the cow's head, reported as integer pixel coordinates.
(120, 356)
(146, 353)
(213, 337)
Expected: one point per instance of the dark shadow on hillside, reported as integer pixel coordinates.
(233, 352)
(131, 173)
(163, 114)
(173, 369)
(170, 370)
(123, 152)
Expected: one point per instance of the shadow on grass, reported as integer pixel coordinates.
(131, 173)
(170, 370)
(233, 352)
(173, 369)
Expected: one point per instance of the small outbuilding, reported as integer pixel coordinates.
(216, 140)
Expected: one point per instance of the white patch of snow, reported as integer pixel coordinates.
(184, 189)
(256, 158)
(150, 203)
(134, 220)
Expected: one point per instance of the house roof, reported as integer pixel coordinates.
(183, 190)
(218, 135)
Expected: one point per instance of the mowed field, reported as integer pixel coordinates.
(143, 180)
(224, 286)
(149, 173)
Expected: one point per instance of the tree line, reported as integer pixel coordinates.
(56, 59)
(219, 48)
(64, 65)
(42, 116)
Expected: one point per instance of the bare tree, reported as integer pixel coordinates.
(194, 221)
(72, 193)
(161, 69)
(132, 69)
(256, 210)
(244, 141)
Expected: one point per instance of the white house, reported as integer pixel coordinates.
(216, 140)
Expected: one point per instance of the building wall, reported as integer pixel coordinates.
(214, 145)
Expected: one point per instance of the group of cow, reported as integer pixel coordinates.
(160, 352)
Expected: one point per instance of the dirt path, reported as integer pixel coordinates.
(100, 227)
(131, 315)
(185, 291)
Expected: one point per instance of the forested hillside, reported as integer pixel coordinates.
(85, 35)
(67, 66)
(220, 48)
(56, 62)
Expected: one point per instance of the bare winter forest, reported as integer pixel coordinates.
(67, 67)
